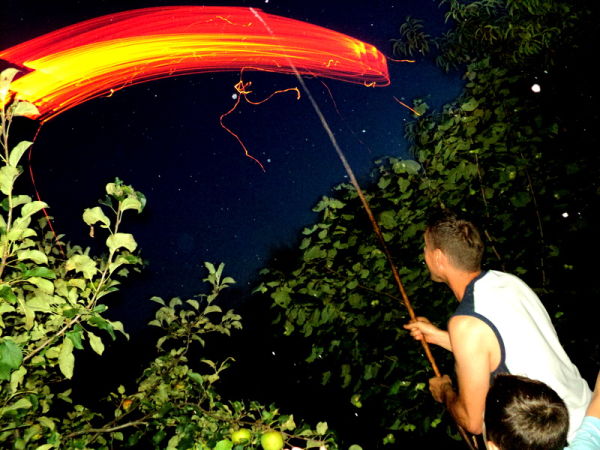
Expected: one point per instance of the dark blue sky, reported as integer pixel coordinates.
(206, 200)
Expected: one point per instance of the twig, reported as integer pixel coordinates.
(366, 206)
(539, 223)
(487, 212)
(106, 429)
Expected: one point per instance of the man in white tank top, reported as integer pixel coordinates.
(499, 326)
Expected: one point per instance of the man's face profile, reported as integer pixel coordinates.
(429, 255)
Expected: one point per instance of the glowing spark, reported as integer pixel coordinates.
(536, 88)
(242, 88)
(102, 55)
(402, 60)
(407, 107)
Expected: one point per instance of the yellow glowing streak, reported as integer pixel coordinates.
(81, 62)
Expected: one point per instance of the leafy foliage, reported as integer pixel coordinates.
(497, 154)
(514, 32)
(176, 404)
(52, 304)
(413, 38)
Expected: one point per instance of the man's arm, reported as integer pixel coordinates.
(594, 407)
(422, 328)
(471, 341)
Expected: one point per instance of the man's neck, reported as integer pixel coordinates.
(459, 281)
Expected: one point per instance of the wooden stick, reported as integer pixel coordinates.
(368, 210)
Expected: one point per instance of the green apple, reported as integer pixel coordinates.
(241, 436)
(272, 440)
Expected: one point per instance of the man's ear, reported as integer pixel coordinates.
(439, 257)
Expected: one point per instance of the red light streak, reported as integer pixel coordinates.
(242, 89)
(100, 56)
(407, 107)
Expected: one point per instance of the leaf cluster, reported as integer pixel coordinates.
(49, 293)
(176, 399)
(497, 155)
(53, 304)
(515, 32)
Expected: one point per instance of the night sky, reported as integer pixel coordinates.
(206, 200)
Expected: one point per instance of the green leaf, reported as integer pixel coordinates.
(95, 343)
(158, 437)
(91, 216)
(22, 403)
(28, 313)
(289, 423)
(18, 200)
(314, 253)
(16, 378)
(158, 300)
(194, 303)
(17, 152)
(45, 447)
(412, 167)
(322, 428)
(7, 294)
(25, 109)
(8, 175)
(305, 243)
(11, 358)
(196, 377)
(387, 219)
(43, 301)
(118, 326)
(45, 286)
(6, 77)
(41, 272)
(36, 256)
(31, 208)
(103, 324)
(520, 199)
(470, 105)
(282, 296)
(75, 336)
(83, 264)
(211, 309)
(131, 203)
(66, 360)
(384, 183)
(120, 240)
(224, 445)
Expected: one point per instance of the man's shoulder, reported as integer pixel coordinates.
(470, 335)
(494, 280)
(466, 325)
(490, 276)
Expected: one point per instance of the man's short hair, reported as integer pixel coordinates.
(459, 239)
(524, 414)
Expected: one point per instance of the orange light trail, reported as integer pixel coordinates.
(242, 89)
(407, 107)
(97, 57)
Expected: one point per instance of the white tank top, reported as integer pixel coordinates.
(529, 344)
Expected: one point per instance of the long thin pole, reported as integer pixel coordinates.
(369, 212)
